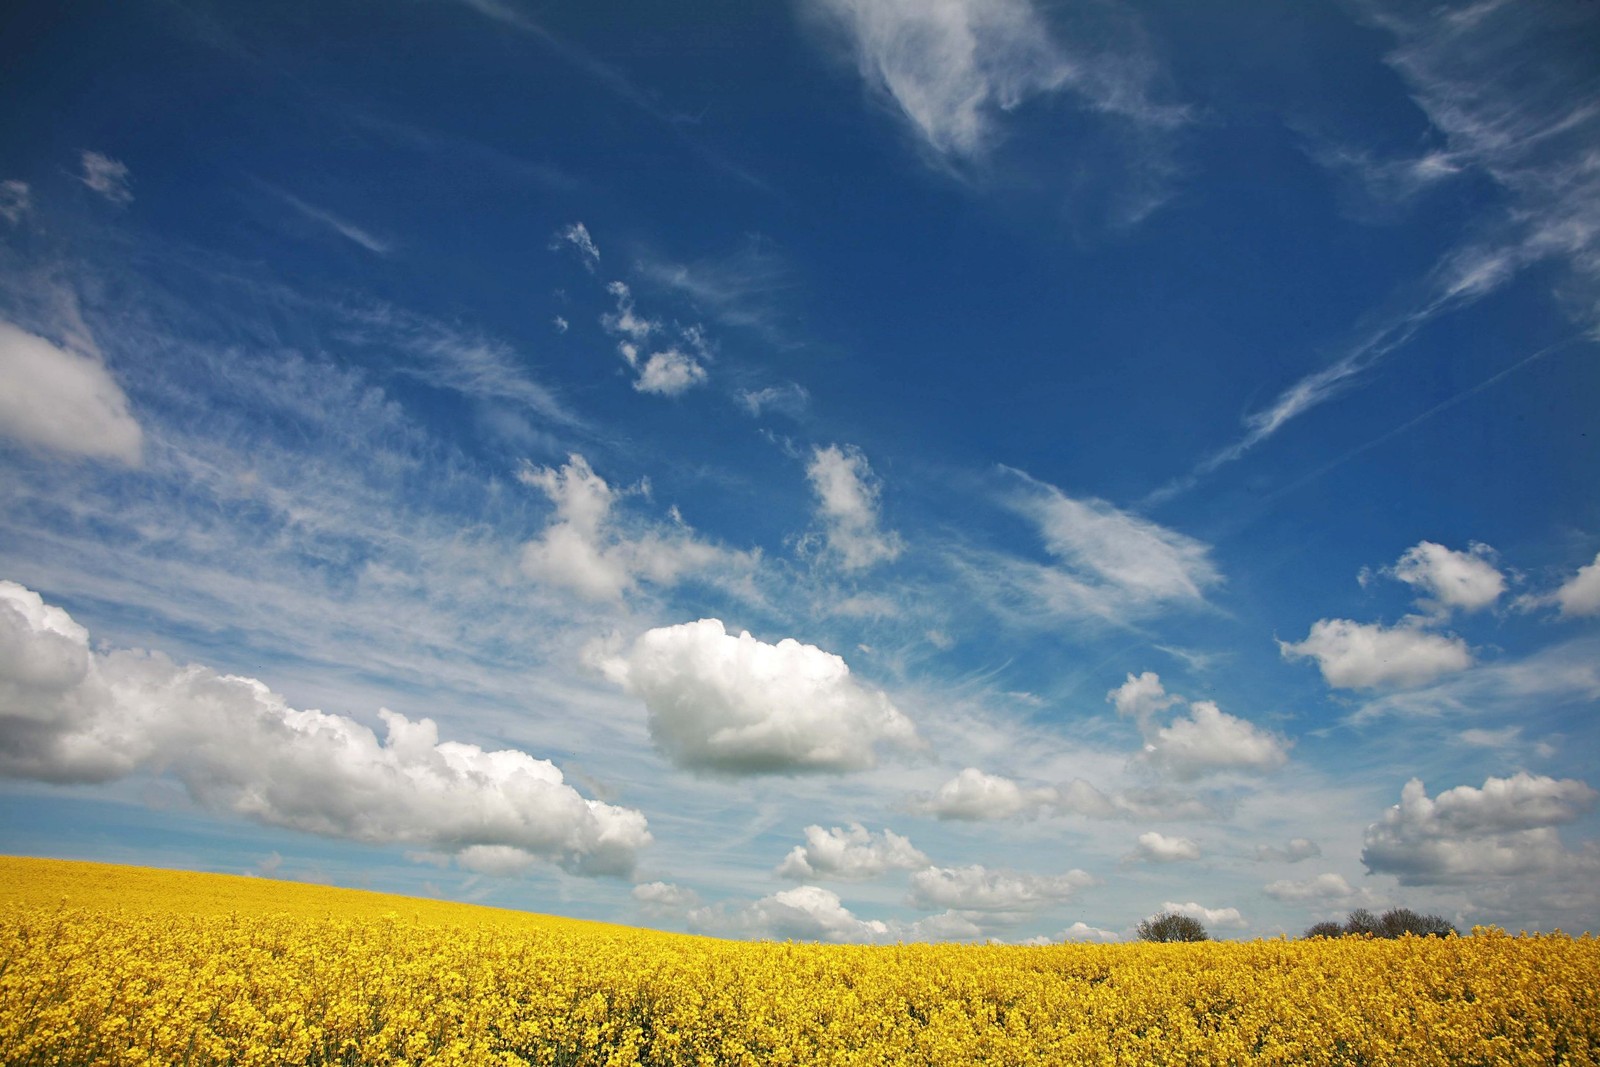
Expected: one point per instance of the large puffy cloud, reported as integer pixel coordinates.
(1354, 655)
(850, 852)
(1205, 741)
(1208, 741)
(738, 705)
(978, 888)
(1451, 579)
(71, 714)
(847, 495)
(1153, 847)
(583, 548)
(975, 796)
(63, 400)
(1580, 594)
(1504, 829)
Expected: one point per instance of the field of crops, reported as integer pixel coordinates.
(109, 965)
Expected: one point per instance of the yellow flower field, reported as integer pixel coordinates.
(112, 965)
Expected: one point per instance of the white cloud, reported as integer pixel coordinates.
(16, 200)
(789, 399)
(1209, 740)
(70, 714)
(106, 176)
(1079, 797)
(561, 324)
(1354, 655)
(1451, 579)
(977, 888)
(669, 373)
(348, 230)
(63, 400)
(1112, 563)
(1206, 741)
(1159, 848)
(974, 795)
(1321, 889)
(1504, 829)
(1580, 594)
(1211, 917)
(1082, 933)
(665, 897)
(850, 853)
(577, 235)
(717, 702)
(626, 321)
(584, 550)
(847, 502)
(810, 913)
(1140, 698)
(952, 67)
(1297, 850)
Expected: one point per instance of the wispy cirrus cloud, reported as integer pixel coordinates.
(953, 69)
(328, 220)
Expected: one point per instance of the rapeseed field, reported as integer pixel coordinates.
(123, 966)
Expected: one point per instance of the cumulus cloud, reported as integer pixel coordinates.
(1321, 889)
(585, 548)
(664, 897)
(577, 235)
(669, 373)
(1140, 698)
(626, 320)
(66, 401)
(850, 853)
(952, 68)
(70, 714)
(1211, 917)
(978, 888)
(1153, 847)
(16, 200)
(1297, 850)
(1579, 595)
(737, 705)
(974, 795)
(1504, 829)
(106, 176)
(1208, 740)
(1082, 933)
(1205, 741)
(847, 495)
(1451, 579)
(810, 913)
(1354, 655)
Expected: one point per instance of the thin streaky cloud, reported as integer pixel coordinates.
(348, 230)
(612, 80)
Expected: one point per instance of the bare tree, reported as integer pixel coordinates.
(1171, 926)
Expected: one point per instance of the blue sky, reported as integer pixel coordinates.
(855, 469)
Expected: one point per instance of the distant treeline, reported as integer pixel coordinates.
(1395, 922)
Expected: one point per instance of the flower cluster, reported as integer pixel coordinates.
(155, 967)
